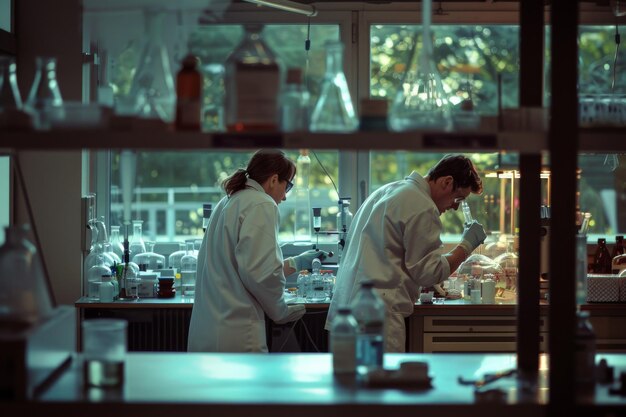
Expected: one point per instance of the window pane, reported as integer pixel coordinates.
(5, 15)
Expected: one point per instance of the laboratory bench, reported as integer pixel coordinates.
(161, 324)
(201, 384)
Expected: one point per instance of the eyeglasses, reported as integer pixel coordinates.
(289, 186)
(459, 200)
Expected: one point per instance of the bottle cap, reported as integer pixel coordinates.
(190, 61)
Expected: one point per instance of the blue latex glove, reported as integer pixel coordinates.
(303, 261)
(473, 236)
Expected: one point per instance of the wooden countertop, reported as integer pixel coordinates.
(159, 384)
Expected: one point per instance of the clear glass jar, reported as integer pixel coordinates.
(333, 111)
(24, 292)
(149, 260)
(252, 81)
(94, 276)
(44, 100)
(173, 260)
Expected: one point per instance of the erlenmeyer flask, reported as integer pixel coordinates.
(137, 244)
(153, 85)
(44, 100)
(333, 110)
(10, 98)
(420, 102)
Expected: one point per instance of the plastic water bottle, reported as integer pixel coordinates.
(343, 336)
(369, 311)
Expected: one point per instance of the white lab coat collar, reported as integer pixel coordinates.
(253, 184)
(419, 181)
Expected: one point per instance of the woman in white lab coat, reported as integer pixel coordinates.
(241, 271)
(394, 241)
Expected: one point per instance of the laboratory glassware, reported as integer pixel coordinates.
(369, 311)
(302, 197)
(344, 220)
(618, 249)
(188, 264)
(317, 223)
(94, 275)
(137, 244)
(602, 261)
(252, 81)
(213, 101)
(294, 103)
(24, 293)
(152, 88)
(150, 260)
(343, 336)
(509, 262)
(420, 102)
(10, 98)
(467, 213)
(333, 111)
(116, 243)
(189, 95)
(173, 261)
(44, 100)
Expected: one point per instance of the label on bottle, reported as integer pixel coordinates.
(257, 95)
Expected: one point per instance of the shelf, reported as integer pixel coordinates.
(591, 140)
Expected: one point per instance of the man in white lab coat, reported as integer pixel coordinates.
(241, 271)
(394, 241)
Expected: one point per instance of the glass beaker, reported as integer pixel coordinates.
(152, 87)
(137, 245)
(10, 98)
(333, 111)
(44, 100)
(420, 102)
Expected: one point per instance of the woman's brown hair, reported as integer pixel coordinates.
(262, 165)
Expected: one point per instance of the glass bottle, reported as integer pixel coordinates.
(252, 82)
(602, 261)
(333, 111)
(302, 197)
(294, 103)
(10, 98)
(509, 262)
(24, 292)
(420, 102)
(137, 244)
(152, 87)
(618, 249)
(343, 335)
(188, 264)
(344, 220)
(149, 260)
(44, 100)
(188, 95)
(369, 311)
(94, 276)
(116, 242)
(173, 261)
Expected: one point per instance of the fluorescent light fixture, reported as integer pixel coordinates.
(288, 6)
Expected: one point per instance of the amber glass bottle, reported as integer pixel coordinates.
(188, 95)
(602, 259)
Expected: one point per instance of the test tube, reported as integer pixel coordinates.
(467, 214)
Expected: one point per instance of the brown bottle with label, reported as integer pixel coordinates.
(189, 95)
(602, 261)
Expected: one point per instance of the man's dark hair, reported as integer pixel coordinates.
(462, 171)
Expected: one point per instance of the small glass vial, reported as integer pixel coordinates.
(188, 95)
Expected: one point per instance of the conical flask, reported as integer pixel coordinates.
(44, 100)
(420, 102)
(333, 110)
(153, 84)
(10, 98)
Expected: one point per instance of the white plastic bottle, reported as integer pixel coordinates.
(106, 289)
(343, 335)
(369, 311)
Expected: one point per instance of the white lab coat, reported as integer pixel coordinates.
(394, 241)
(239, 276)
